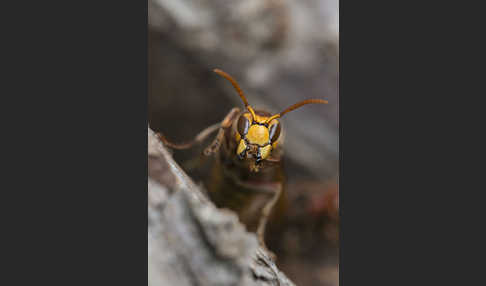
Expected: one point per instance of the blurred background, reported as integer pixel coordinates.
(280, 52)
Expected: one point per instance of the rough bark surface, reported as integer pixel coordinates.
(190, 241)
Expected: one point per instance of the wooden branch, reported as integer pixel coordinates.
(190, 241)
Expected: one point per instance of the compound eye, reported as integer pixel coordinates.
(243, 125)
(274, 132)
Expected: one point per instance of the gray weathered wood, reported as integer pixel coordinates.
(190, 241)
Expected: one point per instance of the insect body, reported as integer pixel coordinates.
(247, 176)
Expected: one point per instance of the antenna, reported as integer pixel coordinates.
(295, 106)
(238, 89)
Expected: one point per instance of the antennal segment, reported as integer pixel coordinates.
(238, 89)
(234, 83)
(295, 106)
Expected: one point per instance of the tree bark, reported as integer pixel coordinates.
(190, 241)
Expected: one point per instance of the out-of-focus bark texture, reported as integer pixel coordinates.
(190, 241)
(280, 51)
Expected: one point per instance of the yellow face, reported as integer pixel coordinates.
(256, 138)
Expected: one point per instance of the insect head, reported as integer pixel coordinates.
(258, 132)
